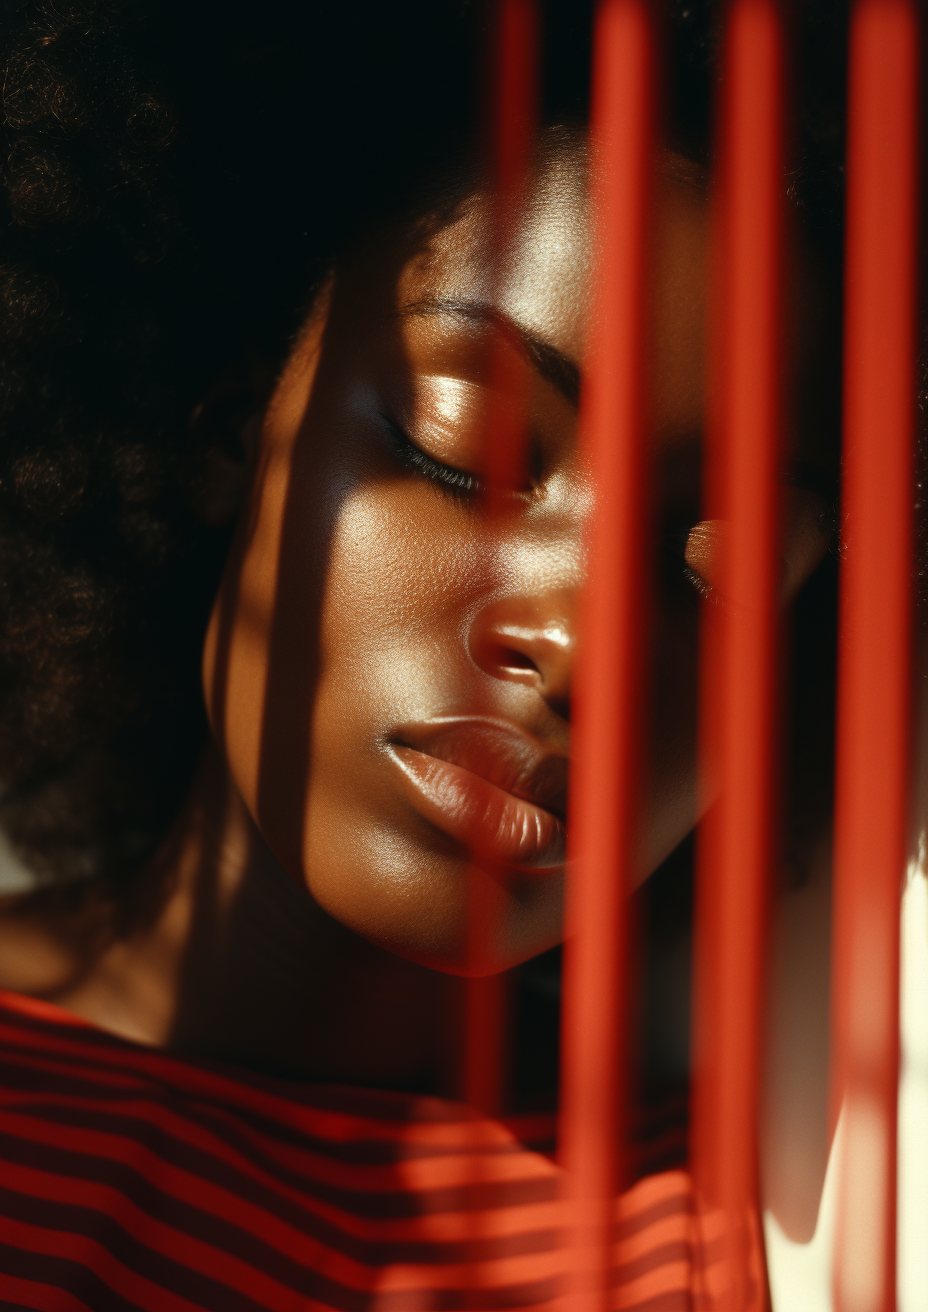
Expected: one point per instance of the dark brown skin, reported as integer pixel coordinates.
(307, 916)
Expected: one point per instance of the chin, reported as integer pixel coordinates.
(448, 913)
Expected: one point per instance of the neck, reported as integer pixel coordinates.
(222, 954)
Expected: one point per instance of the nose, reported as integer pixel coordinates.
(529, 641)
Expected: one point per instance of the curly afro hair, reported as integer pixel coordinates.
(168, 200)
(176, 179)
(96, 539)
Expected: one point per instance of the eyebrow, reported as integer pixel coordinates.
(553, 365)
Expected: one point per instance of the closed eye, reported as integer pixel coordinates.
(684, 547)
(459, 482)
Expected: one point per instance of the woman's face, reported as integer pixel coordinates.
(388, 670)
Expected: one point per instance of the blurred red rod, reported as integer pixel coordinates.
(875, 639)
(513, 111)
(606, 757)
(739, 667)
(515, 92)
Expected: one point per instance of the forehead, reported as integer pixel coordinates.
(545, 285)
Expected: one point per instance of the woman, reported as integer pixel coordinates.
(250, 284)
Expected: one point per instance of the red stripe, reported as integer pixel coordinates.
(121, 1205)
(248, 1230)
(191, 1178)
(93, 1257)
(233, 1127)
(386, 1115)
(39, 1297)
(90, 1209)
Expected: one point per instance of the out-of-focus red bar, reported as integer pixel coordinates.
(513, 106)
(515, 92)
(486, 1011)
(739, 667)
(606, 762)
(875, 638)
(514, 97)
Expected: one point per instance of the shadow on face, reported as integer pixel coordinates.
(388, 669)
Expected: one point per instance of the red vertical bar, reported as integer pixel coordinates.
(739, 669)
(606, 762)
(513, 104)
(515, 111)
(874, 648)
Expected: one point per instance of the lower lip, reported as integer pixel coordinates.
(491, 822)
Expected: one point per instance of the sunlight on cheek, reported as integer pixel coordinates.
(392, 566)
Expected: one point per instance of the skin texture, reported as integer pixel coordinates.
(426, 610)
(395, 600)
(309, 915)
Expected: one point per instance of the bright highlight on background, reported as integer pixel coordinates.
(800, 1274)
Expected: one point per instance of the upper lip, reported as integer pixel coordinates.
(497, 751)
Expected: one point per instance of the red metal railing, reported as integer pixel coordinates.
(874, 660)
(740, 684)
(606, 756)
(740, 648)
(513, 67)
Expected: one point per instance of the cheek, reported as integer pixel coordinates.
(323, 626)
(365, 628)
(398, 587)
(262, 652)
(344, 612)
(400, 579)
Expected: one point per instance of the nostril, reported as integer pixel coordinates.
(510, 658)
(526, 640)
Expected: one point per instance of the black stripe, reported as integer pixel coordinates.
(680, 1250)
(670, 1206)
(371, 1203)
(7, 1306)
(88, 1036)
(23, 1077)
(375, 1104)
(161, 1270)
(62, 1273)
(224, 1235)
(29, 1078)
(167, 1274)
(370, 1151)
(676, 1300)
(500, 1299)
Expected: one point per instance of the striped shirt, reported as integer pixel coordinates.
(133, 1179)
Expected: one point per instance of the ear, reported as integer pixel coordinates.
(225, 429)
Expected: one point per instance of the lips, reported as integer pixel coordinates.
(488, 785)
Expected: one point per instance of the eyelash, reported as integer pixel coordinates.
(673, 546)
(458, 482)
